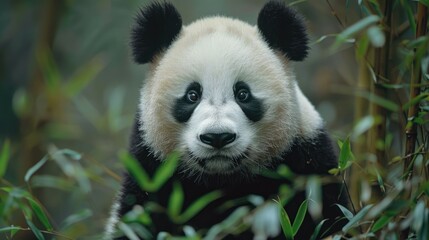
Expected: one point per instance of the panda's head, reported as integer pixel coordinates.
(220, 90)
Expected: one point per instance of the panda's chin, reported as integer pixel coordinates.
(220, 165)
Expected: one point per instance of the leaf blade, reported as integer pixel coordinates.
(299, 218)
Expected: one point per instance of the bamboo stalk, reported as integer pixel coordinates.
(416, 75)
(359, 146)
(381, 69)
(32, 122)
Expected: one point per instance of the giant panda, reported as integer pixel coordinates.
(223, 94)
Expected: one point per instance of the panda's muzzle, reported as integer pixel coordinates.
(217, 140)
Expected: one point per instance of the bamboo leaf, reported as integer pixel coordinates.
(355, 28)
(376, 36)
(299, 218)
(316, 232)
(128, 231)
(4, 157)
(345, 211)
(383, 102)
(285, 222)
(49, 69)
(424, 2)
(49, 181)
(38, 211)
(359, 216)
(83, 76)
(71, 154)
(362, 47)
(415, 100)
(346, 155)
(35, 230)
(198, 205)
(76, 217)
(314, 195)
(34, 168)
(176, 200)
(11, 229)
(381, 222)
(166, 170)
(136, 170)
(410, 14)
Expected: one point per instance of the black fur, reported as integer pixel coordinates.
(313, 156)
(253, 108)
(157, 26)
(183, 108)
(283, 29)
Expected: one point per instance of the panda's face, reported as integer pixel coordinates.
(221, 97)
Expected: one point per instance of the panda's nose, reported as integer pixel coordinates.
(217, 140)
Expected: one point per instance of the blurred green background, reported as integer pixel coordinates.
(67, 81)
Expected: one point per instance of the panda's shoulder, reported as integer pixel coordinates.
(315, 154)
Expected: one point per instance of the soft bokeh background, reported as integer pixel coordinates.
(67, 81)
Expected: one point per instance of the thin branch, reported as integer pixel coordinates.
(334, 13)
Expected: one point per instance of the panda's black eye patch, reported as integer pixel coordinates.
(185, 106)
(252, 107)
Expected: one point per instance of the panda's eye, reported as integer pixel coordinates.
(193, 96)
(242, 95)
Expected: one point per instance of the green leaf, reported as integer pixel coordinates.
(198, 205)
(383, 102)
(128, 231)
(76, 217)
(376, 36)
(71, 154)
(4, 157)
(285, 223)
(317, 230)
(355, 28)
(175, 203)
(299, 218)
(380, 223)
(166, 170)
(20, 102)
(136, 170)
(380, 181)
(49, 181)
(410, 14)
(415, 100)
(83, 76)
(359, 216)
(12, 229)
(35, 230)
(49, 69)
(38, 210)
(418, 216)
(364, 125)
(314, 195)
(424, 2)
(334, 171)
(346, 155)
(34, 168)
(231, 221)
(345, 211)
(362, 47)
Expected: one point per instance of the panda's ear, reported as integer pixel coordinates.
(283, 29)
(156, 27)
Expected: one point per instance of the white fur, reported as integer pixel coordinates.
(217, 52)
(112, 222)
